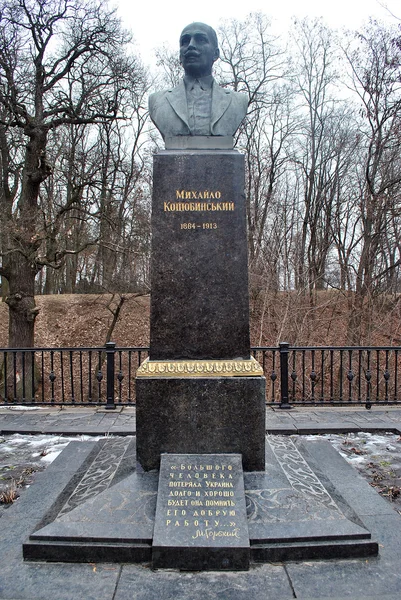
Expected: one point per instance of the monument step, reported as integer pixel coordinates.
(293, 510)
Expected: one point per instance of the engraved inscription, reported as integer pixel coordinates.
(209, 523)
(198, 206)
(201, 500)
(197, 195)
(194, 226)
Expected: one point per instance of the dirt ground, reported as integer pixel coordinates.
(377, 457)
(84, 319)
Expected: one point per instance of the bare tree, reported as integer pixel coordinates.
(374, 59)
(62, 63)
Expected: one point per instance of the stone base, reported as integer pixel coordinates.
(201, 415)
(106, 513)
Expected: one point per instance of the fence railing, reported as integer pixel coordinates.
(306, 376)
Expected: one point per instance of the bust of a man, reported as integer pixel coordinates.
(198, 106)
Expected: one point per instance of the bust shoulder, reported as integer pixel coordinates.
(155, 97)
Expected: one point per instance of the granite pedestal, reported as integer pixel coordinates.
(199, 268)
(103, 510)
(200, 391)
(198, 415)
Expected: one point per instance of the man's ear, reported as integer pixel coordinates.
(216, 54)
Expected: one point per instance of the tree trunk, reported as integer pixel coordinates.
(22, 379)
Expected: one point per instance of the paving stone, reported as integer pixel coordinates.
(352, 578)
(138, 582)
(28, 581)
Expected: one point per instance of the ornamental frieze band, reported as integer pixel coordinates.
(200, 368)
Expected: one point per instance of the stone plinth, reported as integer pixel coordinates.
(195, 415)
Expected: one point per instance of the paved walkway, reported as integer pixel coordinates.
(356, 579)
(95, 421)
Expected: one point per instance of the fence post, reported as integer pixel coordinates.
(110, 354)
(284, 351)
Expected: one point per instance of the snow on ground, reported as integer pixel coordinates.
(376, 456)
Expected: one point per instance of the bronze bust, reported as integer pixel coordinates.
(198, 106)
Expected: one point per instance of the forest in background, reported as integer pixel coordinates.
(322, 143)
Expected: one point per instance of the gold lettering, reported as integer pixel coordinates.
(218, 194)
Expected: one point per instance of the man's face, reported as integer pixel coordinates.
(197, 50)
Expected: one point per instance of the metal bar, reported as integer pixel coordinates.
(120, 376)
(129, 375)
(110, 366)
(368, 376)
(5, 355)
(386, 378)
(313, 377)
(81, 382)
(52, 375)
(72, 376)
(322, 377)
(350, 376)
(90, 377)
(294, 375)
(99, 376)
(284, 351)
(62, 376)
(33, 376)
(273, 376)
(23, 377)
(340, 396)
(42, 370)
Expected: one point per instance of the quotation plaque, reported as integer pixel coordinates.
(200, 514)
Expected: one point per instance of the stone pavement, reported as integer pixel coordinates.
(122, 421)
(368, 578)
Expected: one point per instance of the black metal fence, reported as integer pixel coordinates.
(306, 376)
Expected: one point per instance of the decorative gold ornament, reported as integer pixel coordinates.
(200, 368)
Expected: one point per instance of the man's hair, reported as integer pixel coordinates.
(210, 30)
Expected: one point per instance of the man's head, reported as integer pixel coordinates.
(198, 49)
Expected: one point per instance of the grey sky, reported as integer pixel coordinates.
(159, 21)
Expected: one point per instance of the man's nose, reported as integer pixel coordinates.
(192, 43)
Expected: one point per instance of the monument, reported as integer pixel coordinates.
(200, 391)
(199, 488)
